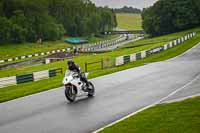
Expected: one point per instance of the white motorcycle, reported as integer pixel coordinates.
(74, 87)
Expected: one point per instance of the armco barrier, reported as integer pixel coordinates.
(148, 53)
(8, 81)
(127, 59)
(119, 61)
(99, 45)
(41, 75)
(133, 57)
(33, 55)
(54, 72)
(24, 78)
(35, 76)
(140, 55)
(143, 54)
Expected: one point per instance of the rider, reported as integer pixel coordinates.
(75, 68)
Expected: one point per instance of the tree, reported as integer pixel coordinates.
(168, 16)
(30, 20)
(5, 28)
(126, 9)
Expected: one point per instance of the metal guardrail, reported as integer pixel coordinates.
(54, 72)
(24, 78)
(107, 62)
(97, 64)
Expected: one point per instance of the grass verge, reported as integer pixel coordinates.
(179, 117)
(14, 50)
(127, 49)
(129, 21)
(21, 90)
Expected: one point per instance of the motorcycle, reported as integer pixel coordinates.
(74, 87)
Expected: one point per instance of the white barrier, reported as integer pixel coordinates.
(29, 56)
(171, 44)
(186, 38)
(133, 57)
(182, 39)
(175, 42)
(23, 57)
(10, 59)
(165, 47)
(179, 41)
(41, 75)
(8, 81)
(143, 54)
(119, 61)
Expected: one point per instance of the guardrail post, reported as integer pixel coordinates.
(86, 67)
(102, 64)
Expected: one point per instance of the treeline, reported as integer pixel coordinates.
(126, 9)
(30, 20)
(168, 16)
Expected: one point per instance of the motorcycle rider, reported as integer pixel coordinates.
(75, 68)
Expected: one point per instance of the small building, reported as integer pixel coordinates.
(57, 57)
(76, 40)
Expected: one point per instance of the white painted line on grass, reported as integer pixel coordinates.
(151, 105)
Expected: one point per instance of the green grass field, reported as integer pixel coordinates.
(125, 21)
(13, 92)
(129, 21)
(152, 42)
(14, 50)
(179, 117)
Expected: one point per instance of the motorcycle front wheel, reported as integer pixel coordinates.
(70, 93)
(91, 90)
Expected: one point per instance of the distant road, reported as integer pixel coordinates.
(117, 95)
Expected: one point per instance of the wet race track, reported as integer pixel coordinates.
(117, 95)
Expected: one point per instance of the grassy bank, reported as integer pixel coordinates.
(129, 21)
(179, 117)
(21, 90)
(127, 49)
(14, 50)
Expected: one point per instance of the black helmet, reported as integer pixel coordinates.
(70, 62)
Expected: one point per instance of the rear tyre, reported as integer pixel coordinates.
(70, 93)
(91, 90)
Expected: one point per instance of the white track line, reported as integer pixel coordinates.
(181, 99)
(151, 105)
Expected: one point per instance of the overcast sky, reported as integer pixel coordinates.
(120, 3)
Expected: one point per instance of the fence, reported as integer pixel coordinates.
(34, 55)
(104, 63)
(35, 76)
(107, 62)
(83, 48)
(143, 54)
(100, 45)
(92, 66)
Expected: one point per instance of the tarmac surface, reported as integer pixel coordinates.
(117, 95)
